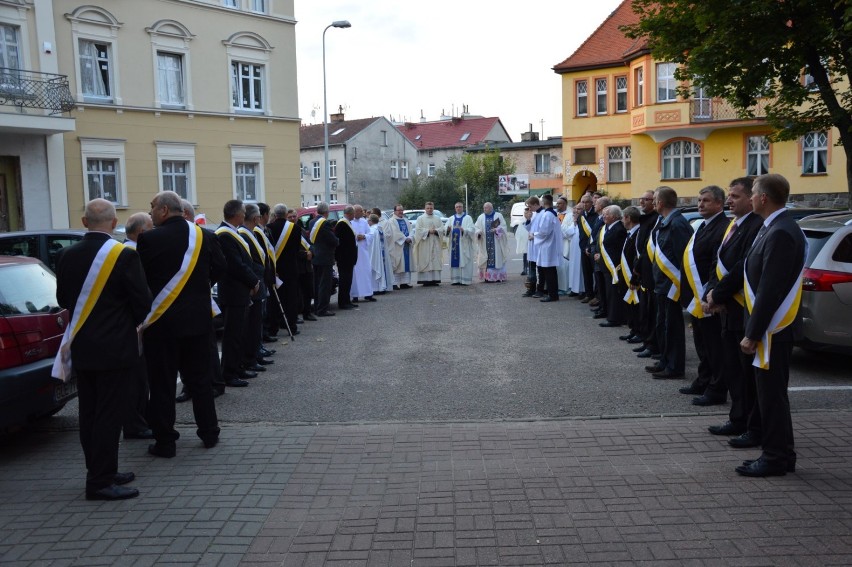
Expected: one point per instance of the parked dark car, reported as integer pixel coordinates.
(41, 244)
(31, 328)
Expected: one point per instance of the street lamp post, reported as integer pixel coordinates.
(336, 24)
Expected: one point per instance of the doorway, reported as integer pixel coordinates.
(11, 205)
(583, 181)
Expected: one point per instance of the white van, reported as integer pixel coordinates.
(517, 214)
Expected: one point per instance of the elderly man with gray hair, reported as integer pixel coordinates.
(611, 239)
(136, 224)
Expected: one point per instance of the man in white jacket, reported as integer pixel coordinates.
(547, 235)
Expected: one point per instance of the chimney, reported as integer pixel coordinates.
(338, 116)
(530, 136)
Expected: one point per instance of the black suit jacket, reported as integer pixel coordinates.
(643, 265)
(707, 241)
(630, 255)
(733, 253)
(239, 278)
(161, 251)
(591, 218)
(672, 234)
(107, 340)
(773, 264)
(614, 243)
(347, 251)
(288, 264)
(325, 244)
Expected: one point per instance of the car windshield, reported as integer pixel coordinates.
(27, 288)
(816, 240)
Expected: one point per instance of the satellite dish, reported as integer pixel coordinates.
(313, 113)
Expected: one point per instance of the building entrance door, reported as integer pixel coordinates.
(11, 217)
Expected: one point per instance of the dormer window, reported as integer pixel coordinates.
(464, 137)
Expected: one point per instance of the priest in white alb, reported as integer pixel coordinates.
(462, 234)
(362, 279)
(428, 254)
(492, 234)
(398, 234)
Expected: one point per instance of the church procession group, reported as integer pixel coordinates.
(739, 278)
(142, 311)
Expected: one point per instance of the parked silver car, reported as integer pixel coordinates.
(827, 282)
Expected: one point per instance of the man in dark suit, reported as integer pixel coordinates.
(773, 286)
(725, 296)
(630, 217)
(709, 385)
(586, 221)
(671, 236)
(598, 269)
(609, 256)
(236, 289)
(323, 247)
(346, 256)
(253, 337)
(105, 349)
(287, 239)
(176, 335)
(304, 269)
(643, 278)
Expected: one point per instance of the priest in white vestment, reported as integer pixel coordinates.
(381, 269)
(462, 234)
(566, 219)
(575, 267)
(492, 234)
(362, 279)
(399, 241)
(428, 254)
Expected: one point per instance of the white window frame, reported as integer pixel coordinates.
(317, 199)
(403, 169)
(317, 171)
(542, 163)
(231, 3)
(175, 152)
(757, 152)
(394, 169)
(332, 169)
(257, 6)
(621, 94)
(248, 155)
(169, 37)
(96, 25)
(105, 149)
(164, 98)
(384, 137)
(815, 144)
(332, 198)
(666, 82)
(301, 173)
(688, 156)
(5, 47)
(249, 48)
(640, 86)
(430, 172)
(601, 93)
(619, 164)
(238, 69)
(582, 94)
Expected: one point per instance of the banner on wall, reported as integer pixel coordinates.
(514, 184)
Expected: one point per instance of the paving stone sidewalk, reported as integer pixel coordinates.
(631, 491)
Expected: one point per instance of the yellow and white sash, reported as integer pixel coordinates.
(721, 270)
(93, 285)
(613, 270)
(631, 297)
(305, 244)
(261, 250)
(672, 273)
(175, 285)
(284, 236)
(781, 319)
(236, 235)
(270, 250)
(315, 230)
(693, 278)
(584, 224)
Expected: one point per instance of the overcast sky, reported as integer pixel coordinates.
(401, 57)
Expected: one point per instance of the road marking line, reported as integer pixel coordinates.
(816, 388)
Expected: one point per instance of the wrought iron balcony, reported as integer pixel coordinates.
(31, 89)
(718, 110)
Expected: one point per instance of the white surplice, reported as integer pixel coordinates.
(362, 280)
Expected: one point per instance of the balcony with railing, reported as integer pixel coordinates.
(704, 110)
(24, 89)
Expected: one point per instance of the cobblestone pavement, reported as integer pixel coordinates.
(632, 491)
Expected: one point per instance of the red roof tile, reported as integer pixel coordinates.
(314, 135)
(607, 46)
(449, 133)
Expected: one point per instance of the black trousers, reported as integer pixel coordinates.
(551, 281)
(137, 401)
(166, 356)
(322, 287)
(739, 378)
(532, 276)
(306, 292)
(102, 396)
(671, 335)
(215, 368)
(774, 404)
(616, 309)
(232, 339)
(648, 319)
(289, 295)
(707, 336)
(588, 267)
(253, 332)
(600, 289)
(633, 320)
(345, 287)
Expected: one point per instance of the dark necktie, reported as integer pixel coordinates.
(730, 233)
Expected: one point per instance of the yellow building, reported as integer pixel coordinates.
(196, 96)
(625, 130)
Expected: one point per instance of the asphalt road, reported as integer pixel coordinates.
(476, 353)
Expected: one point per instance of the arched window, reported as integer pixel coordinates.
(681, 160)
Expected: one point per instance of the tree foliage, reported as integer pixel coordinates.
(746, 51)
(480, 171)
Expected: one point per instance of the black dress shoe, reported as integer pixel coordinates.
(370, 298)
(654, 368)
(265, 352)
(656, 356)
(113, 492)
(326, 314)
(625, 337)
(269, 339)
(265, 361)
(210, 442)
(640, 348)
(123, 478)
(354, 300)
(791, 464)
(527, 294)
(396, 288)
(183, 397)
(538, 295)
(548, 299)
(706, 400)
(165, 451)
(727, 429)
(645, 354)
(691, 390)
(245, 375)
(249, 368)
(667, 375)
(573, 294)
(144, 434)
(744, 441)
(346, 306)
(404, 286)
(761, 468)
(599, 316)
(309, 317)
(635, 339)
(236, 383)
(609, 324)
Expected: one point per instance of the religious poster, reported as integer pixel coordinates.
(514, 184)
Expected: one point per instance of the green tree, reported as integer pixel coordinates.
(443, 188)
(414, 194)
(745, 50)
(480, 171)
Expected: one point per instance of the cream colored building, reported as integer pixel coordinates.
(190, 95)
(626, 130)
